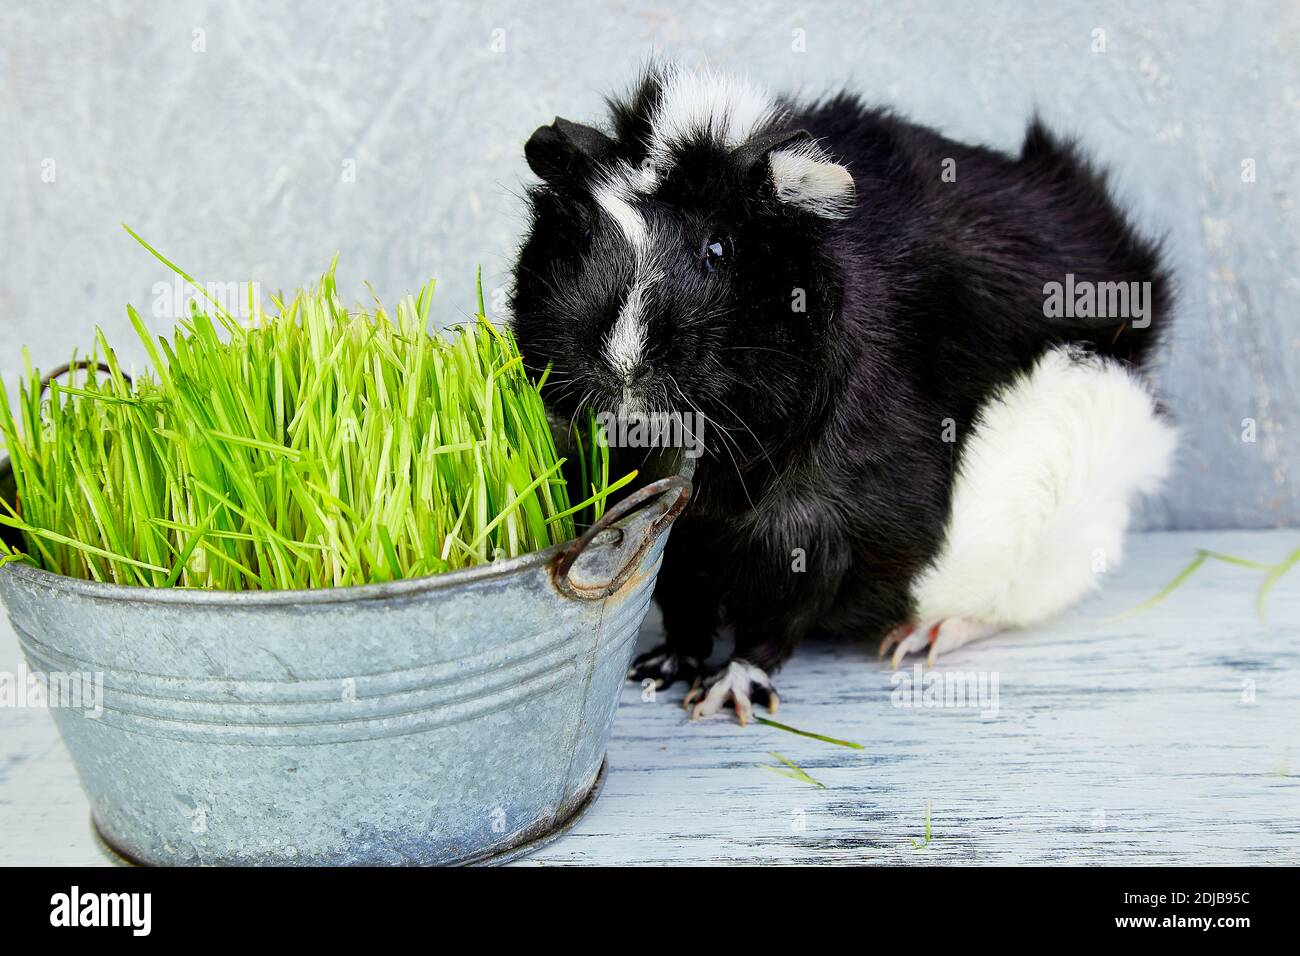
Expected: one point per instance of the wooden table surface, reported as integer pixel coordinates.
(1170, 737)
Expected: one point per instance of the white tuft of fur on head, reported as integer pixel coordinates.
(725, 108)
(805, 176)
(729, 111)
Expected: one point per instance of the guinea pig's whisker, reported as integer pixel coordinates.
(723, 434)
(761, 348)
(759, 444)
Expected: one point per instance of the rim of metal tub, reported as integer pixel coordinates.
(561, 556)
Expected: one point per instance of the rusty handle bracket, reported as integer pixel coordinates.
(622, 509)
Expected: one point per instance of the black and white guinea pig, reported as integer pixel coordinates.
(918, 364)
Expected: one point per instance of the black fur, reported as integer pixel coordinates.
(826, 426)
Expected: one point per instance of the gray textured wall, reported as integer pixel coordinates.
(232, 158)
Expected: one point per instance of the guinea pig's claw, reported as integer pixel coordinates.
(744, 710)
(692, 695)
(664, 666)
(738, 683)
(918, 640)
(939, 637)
(894, 638)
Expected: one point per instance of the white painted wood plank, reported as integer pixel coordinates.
(1131, 742)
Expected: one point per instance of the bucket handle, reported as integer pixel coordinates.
(67, 367)
(622, 509)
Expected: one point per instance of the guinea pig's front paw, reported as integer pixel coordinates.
(739, 683)
(663, 665)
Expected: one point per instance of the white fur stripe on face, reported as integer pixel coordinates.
(625, 344)
(614, 196)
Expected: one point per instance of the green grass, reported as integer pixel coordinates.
(792, 770)
(1275, 573)
(808, 733)
(925, 841)
(312, 447)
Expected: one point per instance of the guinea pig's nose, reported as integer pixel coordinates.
(640, 373)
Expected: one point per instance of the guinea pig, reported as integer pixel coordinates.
(918, 364)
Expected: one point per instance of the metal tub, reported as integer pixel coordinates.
(449, 719)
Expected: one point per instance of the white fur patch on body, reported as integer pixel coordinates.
(1043, 492)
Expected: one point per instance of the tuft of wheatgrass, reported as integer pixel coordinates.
(314, 447)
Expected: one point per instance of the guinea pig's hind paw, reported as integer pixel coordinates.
(738, 683)
(663, 665)
(940, 636)
(895, 638)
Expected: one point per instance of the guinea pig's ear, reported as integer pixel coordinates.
(799, 171)
(565, 151)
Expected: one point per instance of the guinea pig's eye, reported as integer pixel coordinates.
(716, 251)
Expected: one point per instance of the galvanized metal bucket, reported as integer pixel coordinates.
(445, 719)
